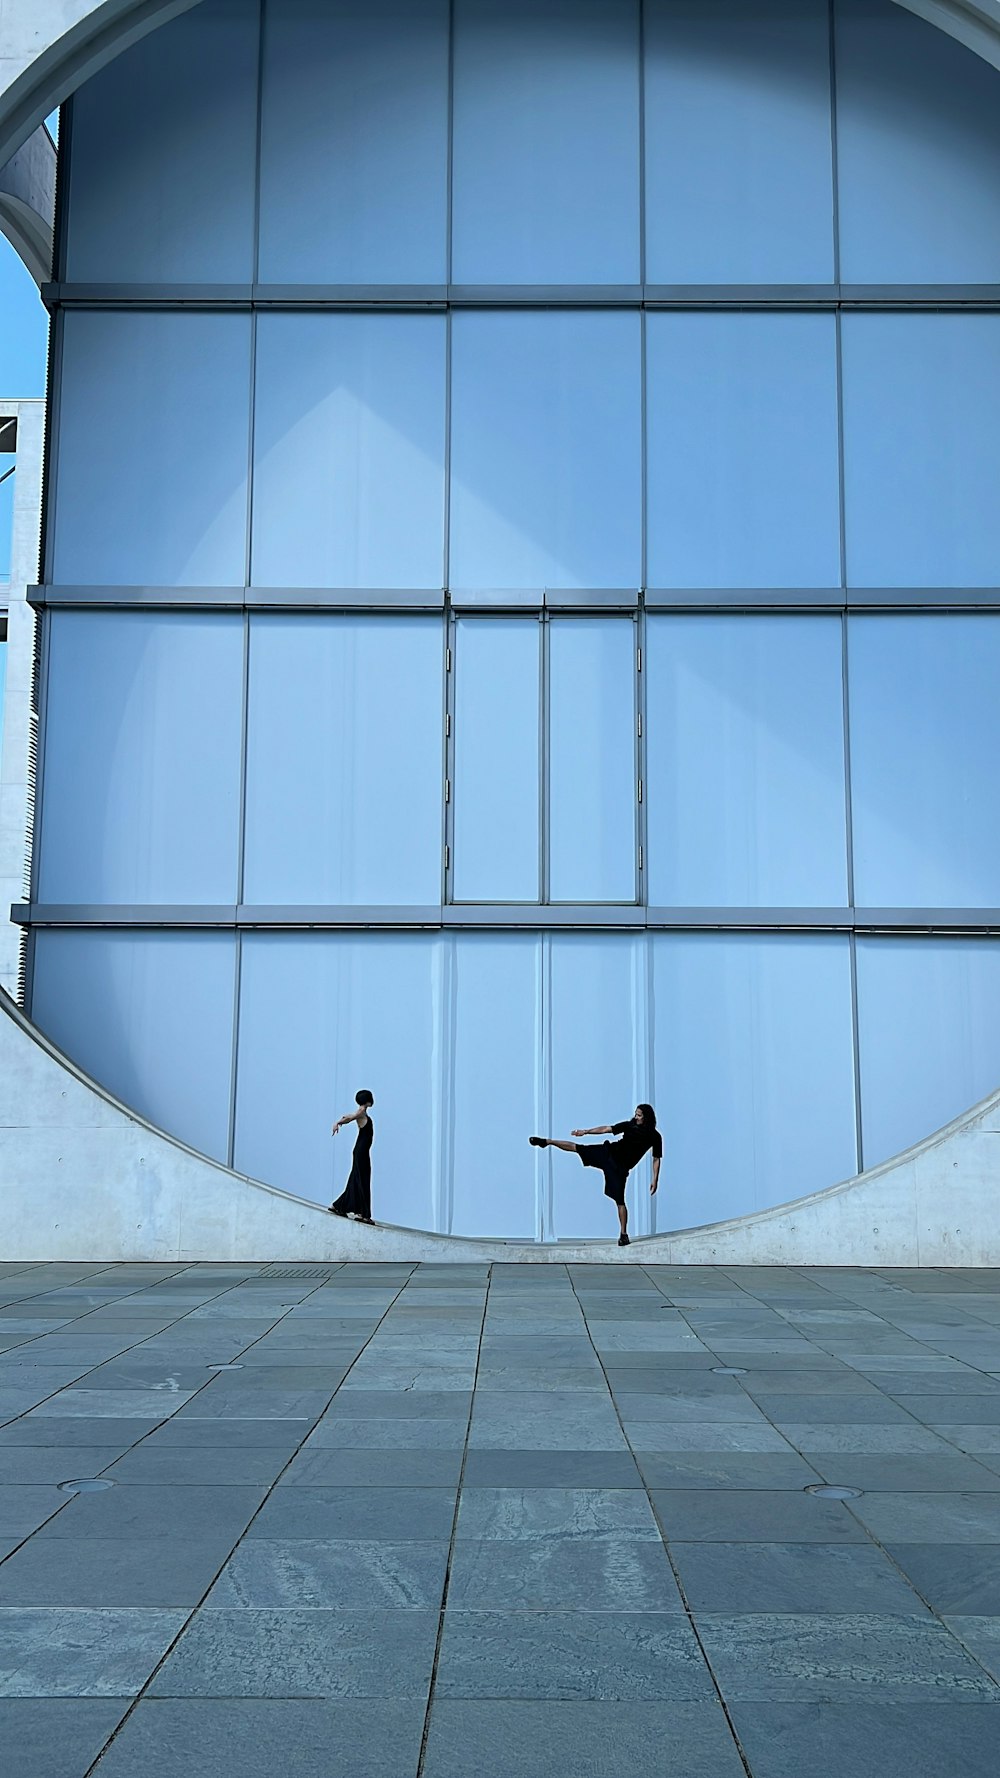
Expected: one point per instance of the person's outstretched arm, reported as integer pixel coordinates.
(349, 1117)
(598, 1130)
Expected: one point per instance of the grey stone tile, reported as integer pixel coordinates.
(953, 1577)
(581, 1422)
(688, 1409)
(106, 1571)
(116, 1404)
(52, 1653)
(75, 1430)
(840, 1658)
(931, 1517)
(346, 1575)
(809, 1437)
(374, 1514)
(979, 1440)
(229, 1435)
(365, 1468)
(562, 1573)
(551, 1469)
(981, 1635)
(868, 1740)
(955, 1382)
(961, 1410)
(915, 1472)
(136, 1372)
(515, 1376)
(193, 1465)
(797, 1577)
(55, 1737)
(583, 1655)
(589, 1514)
(712, 1435)
(353, 1433)
(754, 1515)
(411, 1372)
(725, 1469)
(585, 1740)
(52, 1463)
(26, 1505)
(842, 1409)
(258, 1737)
(791, 1381)
(157, 1510)
(398, 1404)
(224, 1403)
(302, 1654)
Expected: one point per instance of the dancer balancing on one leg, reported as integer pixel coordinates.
(616, 1159)
(356, 1198)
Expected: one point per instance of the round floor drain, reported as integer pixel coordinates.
(728, 1370)
(93, 1485)
(833, 1491)
(224, 1367)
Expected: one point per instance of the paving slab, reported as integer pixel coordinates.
(795, 1577)
(350, 1573)
(55, 1737)
(107, 1571)
(258, 1737)
(302, 1654)
(588, 1740)
(51, 1652)
(550, 1654)
(953, 1578)
(867, 1740)
(841, 1658)
(394, 1514)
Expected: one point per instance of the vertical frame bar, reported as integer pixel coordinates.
(544, 759)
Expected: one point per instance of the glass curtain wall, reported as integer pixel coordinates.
(522, 604)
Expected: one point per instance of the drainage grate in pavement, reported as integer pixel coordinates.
(92, 1485)
(833, 1491)
(304, 1272)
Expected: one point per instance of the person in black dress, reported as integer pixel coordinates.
(356, 1198)
(616, 1159)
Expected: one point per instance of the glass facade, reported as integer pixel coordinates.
(522, 601)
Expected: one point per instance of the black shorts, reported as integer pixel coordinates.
(604, 1155)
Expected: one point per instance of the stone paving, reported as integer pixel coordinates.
(515, 1521)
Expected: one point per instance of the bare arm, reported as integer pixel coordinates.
(598, 1130)
(349, 1117)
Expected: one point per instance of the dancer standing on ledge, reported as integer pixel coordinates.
(616, 1159)
(356, 1198)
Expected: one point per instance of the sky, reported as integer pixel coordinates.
(23, 342)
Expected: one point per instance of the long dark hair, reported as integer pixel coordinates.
(648, 1116)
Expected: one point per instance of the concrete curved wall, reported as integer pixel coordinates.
(83, 1178)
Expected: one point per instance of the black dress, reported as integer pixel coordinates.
(356, 1198)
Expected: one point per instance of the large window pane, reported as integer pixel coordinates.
(349, 451)
(592, 780)
(921, 443)
(546, 158)
(545, 457)
(497, 1047)
(152, 441)
(929, 1032)
(745, 762)
(918, 151)
(140, 799)
(743, 451)
(599, 1070)
(754, 1071)
(496, 759)
(322, 1015)
(150, 1016)
(344, 761)
(163, 153)
(925, 738)
(739, 180)
(354, 142)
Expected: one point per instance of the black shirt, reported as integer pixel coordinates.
(636, 1140)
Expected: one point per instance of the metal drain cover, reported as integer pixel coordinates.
(93, 1485)
(306, 1273)
(728, 1370)
(833, 1491)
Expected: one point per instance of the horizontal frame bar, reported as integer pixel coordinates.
(593, 296)
(504, 916)
(375, 599)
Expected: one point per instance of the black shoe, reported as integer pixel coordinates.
(538, 1141)
(335, 1212)
(623, 1241)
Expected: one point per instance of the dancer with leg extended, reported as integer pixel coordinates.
(356, 1198)
(615, 1160)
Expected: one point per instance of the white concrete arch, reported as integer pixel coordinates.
(84, 1178)
(50, 47)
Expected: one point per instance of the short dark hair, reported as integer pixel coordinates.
(364, 1097)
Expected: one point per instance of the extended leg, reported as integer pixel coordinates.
(553, 1142)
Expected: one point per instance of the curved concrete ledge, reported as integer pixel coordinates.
(84, 1178)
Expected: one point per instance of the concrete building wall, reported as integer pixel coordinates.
(17, 740)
